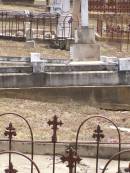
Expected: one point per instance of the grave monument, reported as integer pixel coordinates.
(85, 47)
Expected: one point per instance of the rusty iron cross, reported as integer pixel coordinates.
(98, 134)
(10, 131)
(71, 157)
(10, 169)
(55, 123)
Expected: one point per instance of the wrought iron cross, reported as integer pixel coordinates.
(71, 157)
(10, 131)
(98, 134)
(55, 123)
(11, 169)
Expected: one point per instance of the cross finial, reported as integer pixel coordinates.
(98, 134)
(10, 131)
(10, 169)
(54, 123)
(71, 157)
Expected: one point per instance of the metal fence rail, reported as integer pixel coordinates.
(114, 6)
(114, 28)
(71, 154)
(26, 25)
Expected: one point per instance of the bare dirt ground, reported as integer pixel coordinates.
(39, 107)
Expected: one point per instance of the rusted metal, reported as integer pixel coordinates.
(114, 28)
(54, 123)
(10, 169)
(23, 155)
(71, 153)
(113, 158)
(10, 132)
(71, 158)
(127, 169)
(98, 135)
(110, 6)
(43, 26)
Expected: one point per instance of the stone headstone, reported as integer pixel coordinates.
(29, 34)
(30, 44)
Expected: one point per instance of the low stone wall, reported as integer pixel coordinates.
(105, 97)
(106, 151)
(63, 79)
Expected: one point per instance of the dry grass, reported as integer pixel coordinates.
(12, 48)
(39, 107)
(21, 7)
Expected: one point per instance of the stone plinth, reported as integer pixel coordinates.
(85, 52)
(85, 47)
(85, 36)
(124, 64)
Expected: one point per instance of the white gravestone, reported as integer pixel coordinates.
(124, 64)
(35, 57)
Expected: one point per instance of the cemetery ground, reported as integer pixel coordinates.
(17, 49)
(38, 107)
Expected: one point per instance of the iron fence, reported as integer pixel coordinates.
(114, 6)
(71, 155)
(114, 28)
(26, 25)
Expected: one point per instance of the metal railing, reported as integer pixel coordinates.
(112, 6)
(71, 155)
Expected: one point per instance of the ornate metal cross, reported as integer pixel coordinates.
(10, 169)
(55, 123)
(10, 131)
(71, 157)
(98, 134)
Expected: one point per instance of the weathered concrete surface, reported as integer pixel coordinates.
(82, 78)
(85, 36)
(106, 151)
(80, 67)
(44, 164)
(85, 52)
(16, 69)
(62, 79)
(15, 59)
(43, 66)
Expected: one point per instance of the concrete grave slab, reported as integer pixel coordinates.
(124, 64)
(85, 52)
